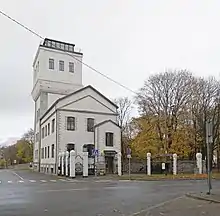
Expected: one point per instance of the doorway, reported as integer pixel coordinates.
(109, 164)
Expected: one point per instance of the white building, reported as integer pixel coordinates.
(67, 114)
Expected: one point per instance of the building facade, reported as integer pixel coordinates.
(69, 116)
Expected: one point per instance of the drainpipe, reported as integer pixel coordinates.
(56, 140)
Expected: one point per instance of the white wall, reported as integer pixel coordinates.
(100, 133)
(80, 136)
(49, 140)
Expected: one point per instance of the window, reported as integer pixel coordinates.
(89, 148)
(109, 139)
(45, 130)
(71, 123)
(48, 151)
(48, 129)
(45, 152)
(90, 124)
(51, 64)
(42, 153)
(71, 67)
(52, 151)
(42, 132)
(53, 125)
(61, 65)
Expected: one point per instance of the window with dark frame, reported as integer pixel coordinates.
(42, 130)
(48, 151)
(71, 123)
(45, 152)
(52, 151)
(90, 124)
(61, 65)
(45, 131)
(53, 125)
(51, 64)
(71, 67)
(109, 139)
(42, 153)
(48, 129)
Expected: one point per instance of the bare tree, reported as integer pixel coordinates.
(124, 117)
(166, 95)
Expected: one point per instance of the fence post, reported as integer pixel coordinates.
(199, 162)
(148, 163)
(174, 164)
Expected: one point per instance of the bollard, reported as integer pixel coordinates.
(72, 164)
(148, 163)
(174, 164)
(199, 162)
(67, 163)
(85, 164)
(119, 163)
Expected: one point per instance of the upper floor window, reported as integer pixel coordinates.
(52, 151)
(42, 153)
(45, 130)
(109, 139)
(71, 123)
(51, 64)
(48, 151)
(61, 65)
(42, 132)
(45, 152)
(90, 124)
(48, 129)
(53, 125)
(71, 67)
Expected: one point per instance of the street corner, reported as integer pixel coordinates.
(214, 198)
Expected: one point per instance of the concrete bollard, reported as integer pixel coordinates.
(72, 164)
(148, 163)
(85, 164)
(199, 162)
(174, 164)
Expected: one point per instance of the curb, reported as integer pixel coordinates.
(197, 197)
(177, 179)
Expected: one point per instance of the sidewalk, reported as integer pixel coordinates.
(213, 197)
(182, 207)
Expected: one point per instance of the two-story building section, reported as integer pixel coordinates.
(69, 116)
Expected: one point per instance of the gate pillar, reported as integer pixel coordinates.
(62, 163)
(148, 163)
(199, 162)
(85, 164)
(72, 164)
(67, 163)
(174, 164)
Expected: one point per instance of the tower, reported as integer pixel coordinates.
(57, 71)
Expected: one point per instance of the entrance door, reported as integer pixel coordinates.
(109, 164)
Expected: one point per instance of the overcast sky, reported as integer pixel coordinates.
(125, 39)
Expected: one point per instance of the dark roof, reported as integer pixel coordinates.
(106, 121)
(57, 45)
(75, 92)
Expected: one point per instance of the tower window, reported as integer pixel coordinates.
(61, 65)
(71, 67)
(51, 64)
(109, 139)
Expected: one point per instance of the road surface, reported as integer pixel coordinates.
(24, 193)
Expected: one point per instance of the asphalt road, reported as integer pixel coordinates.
(26, 193)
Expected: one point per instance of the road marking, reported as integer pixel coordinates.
(43, 180)
(32, 181)
(9, 182)
(62, 180)
(156, 206)
(21, 181)
(63, 190)
(53, 180)
(17, 175)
